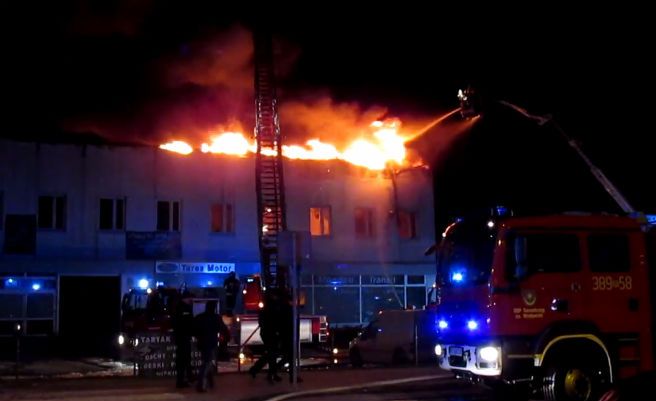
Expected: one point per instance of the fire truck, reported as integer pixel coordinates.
(149, 311)
(558, 305)
(313, 329)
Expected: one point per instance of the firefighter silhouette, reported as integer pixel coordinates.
(231, 287)
(207, 327)
(182, 330)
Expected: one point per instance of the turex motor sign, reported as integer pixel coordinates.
(204, 268)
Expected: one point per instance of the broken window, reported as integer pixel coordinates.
(364, 223)
(223, 219)
(320, 221)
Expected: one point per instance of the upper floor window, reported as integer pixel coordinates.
(168, 216)
(223, 218)
(112, 214)
(320, 221)
(364, 223)
(407, 224)
(52, 212)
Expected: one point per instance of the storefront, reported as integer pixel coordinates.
(352, 300)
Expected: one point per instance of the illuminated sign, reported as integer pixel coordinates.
(204, 268)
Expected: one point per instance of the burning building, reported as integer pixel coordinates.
(81, 224)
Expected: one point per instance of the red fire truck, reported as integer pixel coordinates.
(149, 311)
(557, 306)
(313, 329)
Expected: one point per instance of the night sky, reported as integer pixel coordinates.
(142, 72)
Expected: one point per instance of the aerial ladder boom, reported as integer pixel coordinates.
(596, 171)
(467, 104)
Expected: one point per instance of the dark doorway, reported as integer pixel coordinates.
(89, 315)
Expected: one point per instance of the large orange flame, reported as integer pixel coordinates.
(374, 151)
(177, 146)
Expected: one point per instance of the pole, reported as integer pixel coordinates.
(17, 354)
(294, 284)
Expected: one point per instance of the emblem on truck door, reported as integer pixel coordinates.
(529, 297)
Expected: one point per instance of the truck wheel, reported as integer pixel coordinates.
(571, 382)
(355, 357)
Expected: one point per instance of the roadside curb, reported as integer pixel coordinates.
(356, 387)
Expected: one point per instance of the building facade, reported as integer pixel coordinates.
(81, 223)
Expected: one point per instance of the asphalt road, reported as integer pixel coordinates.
(440, 389)
(376, 384)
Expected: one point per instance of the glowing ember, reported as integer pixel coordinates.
(382, 145)
(178, 147)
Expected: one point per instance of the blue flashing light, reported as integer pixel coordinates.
(36, 286)
(472, 324)
(502, 211)
(335, 288)
(651, 219)
(457, 277)
(209, 283)
(442, 324)
(11, 283)
(159, 284)
(143, 283)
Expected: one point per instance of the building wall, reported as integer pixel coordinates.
(142, 176)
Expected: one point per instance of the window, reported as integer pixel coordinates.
(544, 253)
(407, 225)
(416, 279)
(376, 299)
(609, 253)
(168, 216)
(52, 212)
(415, 297)
(112, 214)
(364, 223)
(223, 218)
(320, 221)
(344, 311)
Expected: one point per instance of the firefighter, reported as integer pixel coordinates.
(207, 327)
(231, 287)
(270, 337)
(182, 329)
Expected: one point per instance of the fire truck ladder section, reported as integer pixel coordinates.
(269, 169)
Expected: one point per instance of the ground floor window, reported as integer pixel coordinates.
(340, 303)
(356, 299)
(28, 303)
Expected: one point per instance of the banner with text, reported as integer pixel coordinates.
(204, 268)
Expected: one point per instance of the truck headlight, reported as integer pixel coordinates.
(489, 354)
(121, 339)
(438, 350)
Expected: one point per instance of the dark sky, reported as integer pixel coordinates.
(145, 71)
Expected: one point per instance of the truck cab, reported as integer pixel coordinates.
(558, 305)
